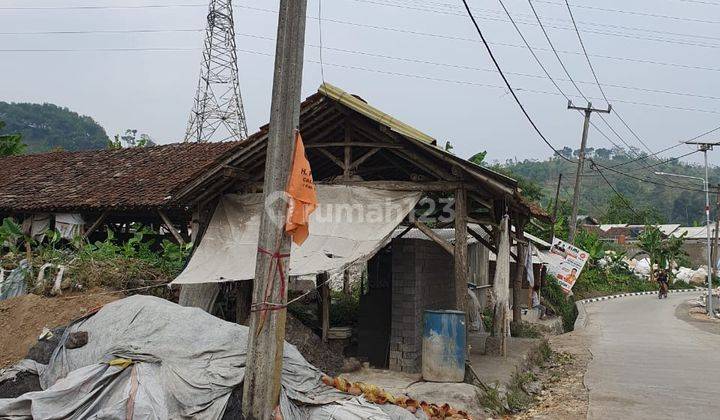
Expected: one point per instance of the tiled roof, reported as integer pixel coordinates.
(131, 178)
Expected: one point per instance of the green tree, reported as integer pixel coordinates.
(47, 126)
(665, 252)
(130, 139)
(10, 144)
(618, 211)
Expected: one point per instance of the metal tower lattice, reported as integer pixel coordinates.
(217, 112)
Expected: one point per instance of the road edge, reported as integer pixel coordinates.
(581, 320)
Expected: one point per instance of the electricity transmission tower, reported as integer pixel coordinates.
(217, 112)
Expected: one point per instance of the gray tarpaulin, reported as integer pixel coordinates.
(350, 224)
(15, 283)
(185, 364)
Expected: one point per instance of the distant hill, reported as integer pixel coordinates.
(46, 126)
(670, 205)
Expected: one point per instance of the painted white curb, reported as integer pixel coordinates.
(654, 292)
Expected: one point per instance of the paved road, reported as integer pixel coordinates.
(650, 360)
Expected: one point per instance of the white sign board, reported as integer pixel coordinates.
(565, 263)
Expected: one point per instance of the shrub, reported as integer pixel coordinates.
(563, 305)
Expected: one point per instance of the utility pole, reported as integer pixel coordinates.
(704, 147)
(267, 320)
(581, 163)
(557, 197)
(717, 235)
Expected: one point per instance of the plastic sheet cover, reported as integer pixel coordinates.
(350, 224)
(134, 367)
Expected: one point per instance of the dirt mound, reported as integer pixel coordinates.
(23, 318)
(320, 354)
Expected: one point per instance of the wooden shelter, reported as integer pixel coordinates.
(350, 142)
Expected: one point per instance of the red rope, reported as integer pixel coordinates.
(265, 305)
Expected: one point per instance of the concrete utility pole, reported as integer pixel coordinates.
(717, 227)
(267, 322)
(704, 147)
(581, 163)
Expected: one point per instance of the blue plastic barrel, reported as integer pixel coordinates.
(443, 347)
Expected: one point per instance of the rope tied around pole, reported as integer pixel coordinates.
(265, 305)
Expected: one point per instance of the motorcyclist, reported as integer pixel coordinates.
(662, 279)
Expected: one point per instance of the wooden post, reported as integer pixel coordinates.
(195, 225)
(169, 225)
(96, 224)
(324, 303)
(346, 282)
(519, 270)
(460, 249)
(347, 153)
(261, 389)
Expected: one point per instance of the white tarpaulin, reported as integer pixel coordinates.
(350, 224)
(163, 380)
(69, 225)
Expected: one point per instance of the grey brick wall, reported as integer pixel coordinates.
(422, 278)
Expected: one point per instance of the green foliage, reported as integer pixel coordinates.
(564, 306)
(45, 127)
(619, 212)
(657, 201)
(479, 158)
(130, 139)
(137, 262)
(663, 252)
(530, 189)
(344, 308)
(595, 282)
(10, 144)
(591, 243)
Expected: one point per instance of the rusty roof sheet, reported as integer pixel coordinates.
(131, 178)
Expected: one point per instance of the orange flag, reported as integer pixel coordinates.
(301, 191)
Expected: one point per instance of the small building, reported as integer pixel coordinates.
(114, 188)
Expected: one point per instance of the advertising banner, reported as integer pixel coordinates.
(565, 263)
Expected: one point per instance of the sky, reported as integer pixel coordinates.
(420, 61)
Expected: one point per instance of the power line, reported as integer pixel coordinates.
(594, 31)
(625, 174)
(631, 12)
(319, 19)
(662, 162)
(454, 81)
(622, 198)
(414, 60)
(567, 73)
(647, 156)
(539, 62)
(507, 83)
(597, 80)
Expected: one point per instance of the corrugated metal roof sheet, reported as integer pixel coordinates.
(357, 104)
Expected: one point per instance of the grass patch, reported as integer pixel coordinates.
(491, 398)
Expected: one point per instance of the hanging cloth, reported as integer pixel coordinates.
(301, 194)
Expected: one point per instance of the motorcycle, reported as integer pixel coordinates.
(663, 292)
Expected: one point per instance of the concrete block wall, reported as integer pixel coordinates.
(422, 278)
